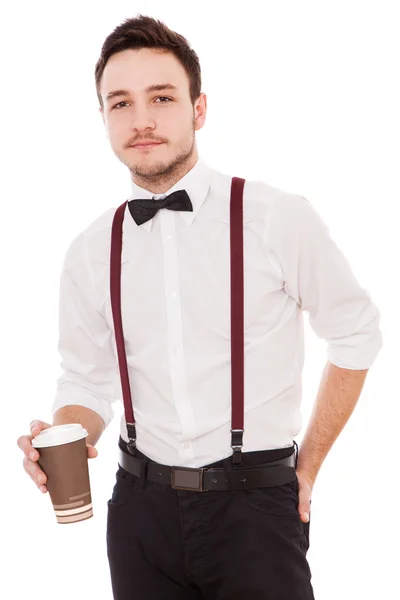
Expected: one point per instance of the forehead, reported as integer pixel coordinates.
(134, 70)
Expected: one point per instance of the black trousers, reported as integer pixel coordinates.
(166, 544)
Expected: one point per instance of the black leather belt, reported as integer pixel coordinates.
(205, 479)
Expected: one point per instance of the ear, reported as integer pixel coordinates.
(101, 111)
(201, 110)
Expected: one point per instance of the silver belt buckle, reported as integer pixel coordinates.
(187, 478)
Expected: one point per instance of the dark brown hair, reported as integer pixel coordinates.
(146, 32)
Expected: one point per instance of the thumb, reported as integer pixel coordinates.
(36, 426)
(304, 515)
(304, 504)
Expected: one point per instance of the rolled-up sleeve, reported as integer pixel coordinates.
(318, 276)
(89, 366)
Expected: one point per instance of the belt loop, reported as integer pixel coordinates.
(297, 452)
(227, 463)
(143, 473)
(228, 466)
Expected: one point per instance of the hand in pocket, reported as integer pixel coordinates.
(305, 485)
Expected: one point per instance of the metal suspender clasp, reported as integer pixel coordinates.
(296, 449)
(131, 427)
(237, 444)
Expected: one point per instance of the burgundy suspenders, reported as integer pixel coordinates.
(237, 322)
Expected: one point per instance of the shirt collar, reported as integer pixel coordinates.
(196, 182)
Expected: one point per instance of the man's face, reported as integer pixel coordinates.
(141, 115)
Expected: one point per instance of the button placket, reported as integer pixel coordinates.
(174, 324)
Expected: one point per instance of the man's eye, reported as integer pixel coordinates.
(158, 97)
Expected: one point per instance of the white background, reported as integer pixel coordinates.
(303, 95)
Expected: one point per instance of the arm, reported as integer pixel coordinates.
(90, 420)
(87, 386)
(318, 277)
(337, 396)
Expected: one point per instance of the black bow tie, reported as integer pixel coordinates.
(143, 210)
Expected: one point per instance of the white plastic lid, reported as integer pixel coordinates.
(59, 434)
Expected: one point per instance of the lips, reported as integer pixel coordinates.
(140, 144)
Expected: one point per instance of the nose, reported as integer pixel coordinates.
(142, 119)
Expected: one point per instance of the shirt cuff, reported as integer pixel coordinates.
(355, 357)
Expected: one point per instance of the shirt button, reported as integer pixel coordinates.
(173, 294)
(169, 238)
(186, 445)
(176, 349)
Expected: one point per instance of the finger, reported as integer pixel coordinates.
(92, 451)
(304, 504)
(25, 443)
(304, 510)
(304, 516)
(34, 471)
(35, 427)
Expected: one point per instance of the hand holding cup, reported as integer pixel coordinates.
(62, 456)
(30, 461)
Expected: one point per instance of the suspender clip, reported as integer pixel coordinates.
(131, 428)
(237, 444)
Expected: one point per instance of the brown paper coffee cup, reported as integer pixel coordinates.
(63, 457)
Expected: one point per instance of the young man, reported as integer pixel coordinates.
(230, 543)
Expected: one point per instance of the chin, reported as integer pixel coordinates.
(148, 168)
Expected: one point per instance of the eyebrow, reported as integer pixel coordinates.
(151, 88)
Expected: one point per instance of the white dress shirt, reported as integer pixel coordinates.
(175, 298)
